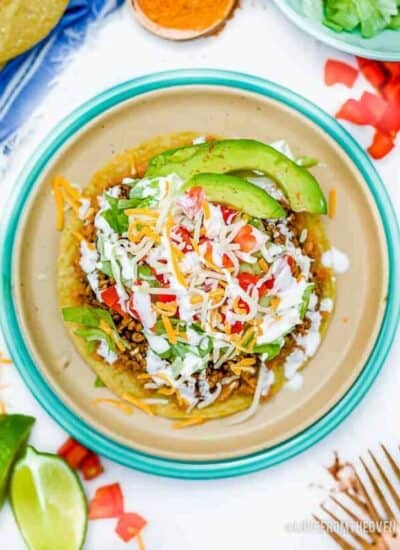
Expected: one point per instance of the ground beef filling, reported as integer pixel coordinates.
(134, 359)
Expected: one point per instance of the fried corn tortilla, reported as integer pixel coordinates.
(24, 23)
(71, 286)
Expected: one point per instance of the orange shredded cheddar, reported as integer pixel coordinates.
(168, 309)
(206, 210)
(138, 403)
(124, 407)
(332, 203)
(78, 236)
(196, 299)
(140, 541)
(166, 391)
(246, 362)
(275, 301)
(175, 265)
(105, 327)
(141, 212)
(188, 422)
(143, 376)
(58, 196)
(263, 264)
(5, 361)
(169, 329)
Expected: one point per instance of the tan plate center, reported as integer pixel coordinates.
(356, 230)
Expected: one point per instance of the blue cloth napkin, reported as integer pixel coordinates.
(25, 79)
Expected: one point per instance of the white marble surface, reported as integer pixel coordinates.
(250, 512)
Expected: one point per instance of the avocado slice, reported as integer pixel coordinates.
(299, 185)
(237, 193)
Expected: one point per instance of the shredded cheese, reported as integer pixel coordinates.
(138, 403)
(105, 327)
(171, 335)
(332, 203)
(124, 407)
(188, 422)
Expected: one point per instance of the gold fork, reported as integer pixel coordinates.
(383, 528)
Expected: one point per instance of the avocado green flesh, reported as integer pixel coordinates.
(237, 193)
(299, 185)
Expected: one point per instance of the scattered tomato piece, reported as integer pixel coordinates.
(381, 145)
(91, 466)
(73, 452)
(374, 72)
(390, 121)
(129, 526)
(108, 502)
(337, 72)
(393, 67)
(375, 106)
(354, 111)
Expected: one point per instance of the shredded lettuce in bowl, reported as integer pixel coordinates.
(369, 17)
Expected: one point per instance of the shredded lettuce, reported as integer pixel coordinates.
(369, 17)
(89, 318)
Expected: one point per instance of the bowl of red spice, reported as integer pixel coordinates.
(182, 20)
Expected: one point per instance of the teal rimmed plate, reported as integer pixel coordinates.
(362, 329)
(385, 46)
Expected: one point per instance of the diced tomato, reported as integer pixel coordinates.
(185, 236)
(246, 239)
(130, 306)
(226, 261)
(290, 260)
(228, 214)
(337, 72)
(390, 121)
(381, 145)
(237, 327)
(73, 452)
(192, 200)
(111, 299)
(108, 502)
(393, 67)
(247, 279)
(375, 105)
(165, 298)
(354, 111)
(266, 286)
(129, 526)
(91, 466)
(391, 90)
(375, 72)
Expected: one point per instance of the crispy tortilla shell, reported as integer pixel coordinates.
(70, 287)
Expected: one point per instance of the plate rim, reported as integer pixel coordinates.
(306, 25)
(53, 404)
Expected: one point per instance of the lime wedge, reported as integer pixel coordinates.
(14, 433)
(48, 502)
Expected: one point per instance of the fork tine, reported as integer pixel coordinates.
(391, 461)
(378, 492)
(337, 538)
(388, 484)
(370, 507)
(353, 516)
(357, 500)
